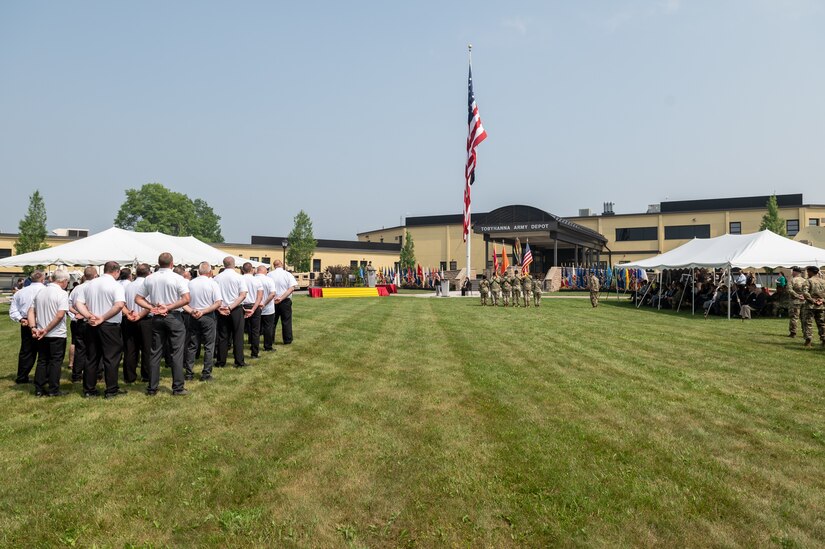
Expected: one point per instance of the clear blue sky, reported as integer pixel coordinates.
(356, 111)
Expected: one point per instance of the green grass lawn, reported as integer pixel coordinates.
(430, 422)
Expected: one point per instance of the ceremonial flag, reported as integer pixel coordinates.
(517, 252)
(475, 135)
(495, 260)
(528, 258)
(503, 259)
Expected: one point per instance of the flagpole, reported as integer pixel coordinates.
(469, 206)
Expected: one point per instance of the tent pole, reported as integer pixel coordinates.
(693, 291)
(661, 279)
(729, 290)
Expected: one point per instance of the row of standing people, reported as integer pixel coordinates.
(510, 290)
(158, 315)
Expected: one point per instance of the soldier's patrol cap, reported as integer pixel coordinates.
(813, 269)
(796, 269)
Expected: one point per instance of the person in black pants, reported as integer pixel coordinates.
(285, 284)
(102, 306)
(164, 295)
(19, 311)
(137, 331)
(230, 314)
(47, 318)
(252, 309)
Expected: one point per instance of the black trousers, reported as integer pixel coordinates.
(27, 355)
(50, 353)
(202, 331)
(230, 327)
(283, 311)
(81, 357)
(104, 347)
(253, 331)
(268, 330)
(168, 332)
(137, 347)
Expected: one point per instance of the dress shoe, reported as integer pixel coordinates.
(91, 394)
(57, 394)
(220, 364)
(240, 365)
(189, 377)
(39, 394)
(181, 392)
(22, 381)
(119, 392)
(150, 392)
(206, 378)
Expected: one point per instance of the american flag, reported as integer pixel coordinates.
(476, 135)
(528, 258)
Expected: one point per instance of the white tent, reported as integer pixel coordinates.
(125, 247)
(734, 251)
(745, 251)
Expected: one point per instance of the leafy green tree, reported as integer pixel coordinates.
(301, 243)
(407, 258)
(153, 207)
(32, 229)
(771, 219)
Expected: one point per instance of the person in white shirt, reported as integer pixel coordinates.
(47, 320)
(79, 325)
(252, 309)
(267, 309)
(164, 295)
(125, 277)
(101, 305)
(204, 301)
(285, 284)
(137, 330)
(18, 311)
(230, 314)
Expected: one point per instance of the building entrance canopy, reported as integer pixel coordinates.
(553, 240)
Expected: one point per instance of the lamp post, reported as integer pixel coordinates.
(284, 244)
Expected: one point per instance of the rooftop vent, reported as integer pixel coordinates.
(585, 212)
(654, 208)
(608, 209)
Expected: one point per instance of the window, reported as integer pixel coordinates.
(5, 252)
(353, 264)
(382, 239)
(735, 227)
(453, 266)
(442, 265)
(792, 225)
(266, 260)
(682, 232)
(363, 263)
(253, 258)
(637, 233)
(813, 222)
(316, 265)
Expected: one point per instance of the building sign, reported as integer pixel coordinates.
(514, 227)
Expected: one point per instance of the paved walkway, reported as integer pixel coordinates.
(456, 293)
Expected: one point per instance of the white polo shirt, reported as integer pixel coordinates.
(76, 292)
(253, 286)
(231, 284)
(163, 287)
(101, 295)
(269, 289)
(203, 292)
(22, 301)
(283, 280)
(131, 291)
(46, 304)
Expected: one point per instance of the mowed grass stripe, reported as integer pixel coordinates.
(395, 421)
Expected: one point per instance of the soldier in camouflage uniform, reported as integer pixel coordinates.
(515, 284)
(506, 290)
(593, 286)
(797, 300)
(814, 310)
(484, 289)
(536, 293)
(495, 289)
(527, 288)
